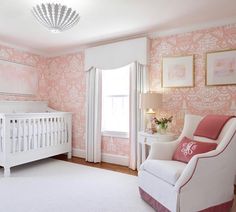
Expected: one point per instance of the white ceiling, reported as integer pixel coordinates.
(104, 20)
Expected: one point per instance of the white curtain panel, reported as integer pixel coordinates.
(138, 84)
(93, 115)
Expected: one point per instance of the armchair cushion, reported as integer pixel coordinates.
(167, 170)
(187, 148)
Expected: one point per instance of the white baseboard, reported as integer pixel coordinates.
(108, 158)
(115, 159)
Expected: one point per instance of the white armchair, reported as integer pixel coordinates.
(205, 183)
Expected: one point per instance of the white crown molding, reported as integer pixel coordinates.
(192, 28)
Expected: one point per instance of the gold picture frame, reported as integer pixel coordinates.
(178, 71)
(220, 68)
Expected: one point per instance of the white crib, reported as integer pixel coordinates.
(30, 130)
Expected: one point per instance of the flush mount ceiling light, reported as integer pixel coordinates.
(56, 17)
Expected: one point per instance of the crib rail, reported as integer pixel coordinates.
(24, 132)
(1, 132)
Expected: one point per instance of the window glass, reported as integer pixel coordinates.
(115, 104)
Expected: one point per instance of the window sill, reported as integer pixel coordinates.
(115, 134)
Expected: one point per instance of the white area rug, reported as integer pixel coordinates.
(57, 186)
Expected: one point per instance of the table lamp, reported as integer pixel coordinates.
(149, 102)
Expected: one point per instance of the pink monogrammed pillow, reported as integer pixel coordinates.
(187, 148)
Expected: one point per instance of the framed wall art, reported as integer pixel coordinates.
(17, 78)
(178, 71)
(221, 68)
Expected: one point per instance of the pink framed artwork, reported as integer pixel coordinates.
(178, 71)
(221, 68)
(17, 78)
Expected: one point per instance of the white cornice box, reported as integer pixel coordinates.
(117, 54)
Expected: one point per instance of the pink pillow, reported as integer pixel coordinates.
(187, 148)
(211, 125)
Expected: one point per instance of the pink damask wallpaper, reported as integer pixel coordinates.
(66, 82)
(200, 99)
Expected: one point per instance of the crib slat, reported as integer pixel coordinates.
(57, 129)
(43, 132)
(24, 135)
(60, 130)
(29, 134)
(13, 137)
(47, 132)
(19, 135)
(66, 131)
(34, 134)
(38, 133)
(1, 134)
(63, 130)
(54, 130)
(51, 132)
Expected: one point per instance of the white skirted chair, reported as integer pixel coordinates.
(205, 183)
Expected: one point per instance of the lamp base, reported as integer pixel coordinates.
(149, 126)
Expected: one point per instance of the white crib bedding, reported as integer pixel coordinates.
(31, 131)
(20, 130)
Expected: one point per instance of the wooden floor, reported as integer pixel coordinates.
(102, 165)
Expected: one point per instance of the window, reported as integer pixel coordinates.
(115, 101)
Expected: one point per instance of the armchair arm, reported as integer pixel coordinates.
(162, 150)
(206, 169)
(214, 169)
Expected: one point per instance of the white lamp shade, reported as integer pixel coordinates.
(150, 100)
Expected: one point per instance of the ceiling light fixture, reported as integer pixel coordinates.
(56, 17)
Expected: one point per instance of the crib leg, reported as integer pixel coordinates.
(7, 172)
(69, 155)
